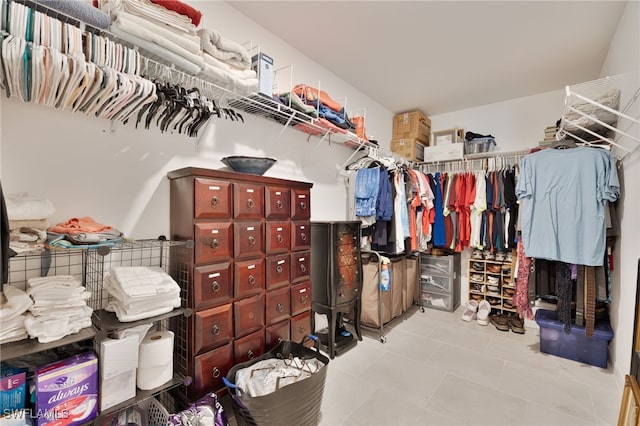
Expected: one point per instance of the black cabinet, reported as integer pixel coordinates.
(336, 273)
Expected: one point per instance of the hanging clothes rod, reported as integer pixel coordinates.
(489, 161)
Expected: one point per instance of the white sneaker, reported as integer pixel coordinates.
(484, 309)
(470, 311)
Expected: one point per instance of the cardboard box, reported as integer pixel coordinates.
(13, 389)
(574, 345)
(263, 66)
(454, 151)
(409, 148)
(412, 125)
(67, 390)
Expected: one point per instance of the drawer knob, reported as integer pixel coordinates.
(279, 269)
(250, 354)
(214, 201)
(279, 204)
(215, 330)
(303, 268)
(303, 299)
(303, 205)
(252, 315)
(214, 244)
(279, 238)
(215, 287)
(252, 280)
(301, 329)
(303, 236)
(279, 307)
(215, 372)
(280, 339)
(250, 203)
(252, 240)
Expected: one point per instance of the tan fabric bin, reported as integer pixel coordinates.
(410, 293)
(398, 283)
(369, 315)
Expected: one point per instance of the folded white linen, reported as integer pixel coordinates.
(47, 328)
(12, 324)
(142, 280)
(238, 86)
(148, 10)
(145, 306)
(25, 234)
(190, 42)
(179, 61)
(123, 316)
(33, 223)
(224, 49)
(14, 302)
(242, 74)
(22, 206)
(67, 280)
(57, 292)
(14, 336)
(59, 311)
(22, 247)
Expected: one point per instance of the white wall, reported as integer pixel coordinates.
(117, 175)
(623, 57)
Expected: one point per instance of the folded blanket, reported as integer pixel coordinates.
(23, 206)
(123, 316)
(147, 10)
(182, 8)
(28, 235)
(49, 328)
(14, 302)
(179, 61)
(80, 10)
(66, 280)
(244, 74)
(33, 223)
(226, 80)
(224, 49)
(130, 23)
(140, 281)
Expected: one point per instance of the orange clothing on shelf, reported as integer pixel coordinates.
(311, 94)
(77, 225)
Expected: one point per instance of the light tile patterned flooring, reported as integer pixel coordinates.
(436, 369)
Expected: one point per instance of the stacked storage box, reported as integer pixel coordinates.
(411, 133)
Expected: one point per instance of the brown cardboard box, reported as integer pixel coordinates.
(410, 148)
(412, 124)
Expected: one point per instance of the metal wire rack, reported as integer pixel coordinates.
(45, 263)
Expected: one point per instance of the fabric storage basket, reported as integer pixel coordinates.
(297, 403)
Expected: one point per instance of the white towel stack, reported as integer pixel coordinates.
(14, 303)
(140, 292)
(59, 307)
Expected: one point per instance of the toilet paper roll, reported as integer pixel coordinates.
(156, 349)
(152, 377)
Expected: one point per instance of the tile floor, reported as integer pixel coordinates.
(436, 369)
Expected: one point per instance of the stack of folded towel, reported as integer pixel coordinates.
(14, 304)
(140, 292)
(28, 220)
(227, 62)
(165, 28)
(59, 307)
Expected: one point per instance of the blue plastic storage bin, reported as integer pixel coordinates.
(574, 345)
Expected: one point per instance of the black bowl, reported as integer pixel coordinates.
(252, 165)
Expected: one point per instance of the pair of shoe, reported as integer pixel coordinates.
(496, 269)
(477, 277)
(500, 256)
(504, 322)
(493, 280)
(478, 311)
(478, 266)
(477, 254)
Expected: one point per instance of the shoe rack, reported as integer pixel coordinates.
(493, 280)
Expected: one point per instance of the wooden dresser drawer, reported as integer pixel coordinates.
(300, 235)
(212, 199)
(213, 328)
(212, 285)
(248, 347)
(300, 204)
(213, 242)
(276, 333)
(300, 266)
(347, 274)
(278, 237)
(300, 298)
(248, 201)
(248, 239)
(248, 277)
(277, 202)
(209, 369)
(277, 305)
(248, 315)
(300, 326)
(278, 270)
(346, 293)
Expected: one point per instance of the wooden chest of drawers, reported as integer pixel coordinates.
(250, 283)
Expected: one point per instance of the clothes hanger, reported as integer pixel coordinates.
(563, 144)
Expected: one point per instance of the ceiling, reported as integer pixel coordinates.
(442, 56)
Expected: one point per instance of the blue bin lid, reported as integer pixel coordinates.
(546, 318)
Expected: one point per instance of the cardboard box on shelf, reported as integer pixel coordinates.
(454, 151)
(412, 124)
(410, 148)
